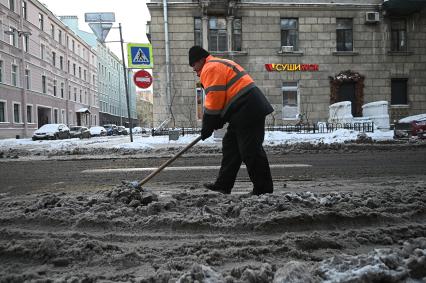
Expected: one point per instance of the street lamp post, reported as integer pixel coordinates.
(20, 34)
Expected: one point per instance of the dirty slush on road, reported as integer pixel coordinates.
(311, 231)
(376, 234)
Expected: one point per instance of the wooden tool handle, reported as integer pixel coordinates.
(165, 164)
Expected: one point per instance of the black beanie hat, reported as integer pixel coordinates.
(196, 53)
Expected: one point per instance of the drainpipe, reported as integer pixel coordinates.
(167, 47)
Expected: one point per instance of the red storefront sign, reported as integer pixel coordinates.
(291, 67)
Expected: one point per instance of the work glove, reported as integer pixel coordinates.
(206, 133)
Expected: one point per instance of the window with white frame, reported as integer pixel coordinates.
(290, 33)
(13, 39)
(2, 111)
(61, 62)
(290, 92)
(41, 21)
(62, 90)
(14, 75)
(42, 50)
(24, 10)
(27, 79)
(29, 113)
(60, 36)
(16, 113)
(63, 116)
(54, 59)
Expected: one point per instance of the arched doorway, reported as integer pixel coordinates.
(348, 86)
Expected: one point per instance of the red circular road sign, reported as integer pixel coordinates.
(142, 79)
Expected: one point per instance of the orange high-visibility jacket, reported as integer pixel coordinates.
(224, 81)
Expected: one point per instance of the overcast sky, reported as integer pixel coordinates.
(132, 14)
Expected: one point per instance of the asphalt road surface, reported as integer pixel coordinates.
(86, 175)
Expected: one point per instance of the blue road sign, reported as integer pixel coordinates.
(140, 56)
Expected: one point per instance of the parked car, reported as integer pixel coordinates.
(122, 130)
(411, 126)
(137, 130)
(52, 132)
(98, 131)
(111, 129)
(80, 132)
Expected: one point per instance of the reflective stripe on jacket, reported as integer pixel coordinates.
(224, 81)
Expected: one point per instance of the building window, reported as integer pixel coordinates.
(42, 49)
(29, 114)
(62, 90)
(399, 91)
(81, 96)
(63, 116)
(68, 66)
(60, 36)
(41, 21)
(398, 35)
(85, 75)
(52, 31)
(54, 87)
(2, 111)
(26, 43)
(344, 34)
(55, 116)
(27, 79)
(43, 84)
(54, 59)
(12, 5)
(14, 75)
(13, 39)
(1, 71)
(16, 113)
(73, 46)
(24, 10)
(217, 34)
(79, 72)
(198, 38)
(290, 32)
(236, 34)
(290, 100)
(74, 69)
(61, 62)
(75, 94)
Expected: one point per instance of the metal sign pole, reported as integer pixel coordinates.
(126, 84)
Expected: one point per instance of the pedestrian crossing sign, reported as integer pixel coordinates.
(139, 56)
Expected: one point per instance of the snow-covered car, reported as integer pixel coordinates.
(52, 132)
(136, 130)
(98, 131)
(80, 132)
(411, 126)
(122, 130)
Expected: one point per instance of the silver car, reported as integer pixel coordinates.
(52, 132)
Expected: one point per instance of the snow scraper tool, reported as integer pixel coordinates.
(139, 184)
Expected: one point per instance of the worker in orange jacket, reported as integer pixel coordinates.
(232, 96)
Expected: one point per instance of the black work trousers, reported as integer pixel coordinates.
(244, 144)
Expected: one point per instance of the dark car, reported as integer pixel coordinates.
(52, 132)
(411, 126)
(79, 132)
(111, 129)
(122, 130)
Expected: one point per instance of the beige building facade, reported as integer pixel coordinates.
(48, 74)
(304, 55)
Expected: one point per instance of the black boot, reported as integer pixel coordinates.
(213, 187)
